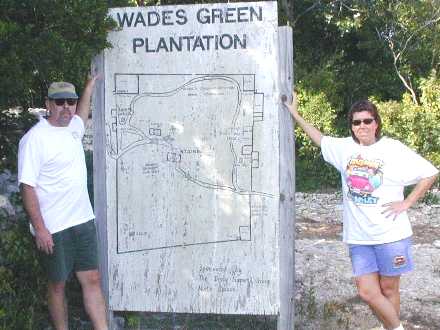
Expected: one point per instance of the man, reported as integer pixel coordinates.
(53, 183)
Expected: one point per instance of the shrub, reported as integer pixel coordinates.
(22, 284)
(312, 172)
(12, 127)
(417, 126)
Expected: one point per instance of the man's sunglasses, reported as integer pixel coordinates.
(367, 121)
(61, 102)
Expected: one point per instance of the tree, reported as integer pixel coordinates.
(286, 10)
(410, 30)
(42, 41)
(337, 52)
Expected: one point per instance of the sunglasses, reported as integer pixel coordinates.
(357, 122)
(61, 102)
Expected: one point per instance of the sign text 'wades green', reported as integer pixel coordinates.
(189, 43)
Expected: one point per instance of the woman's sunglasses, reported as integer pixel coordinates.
(367, 121)
(61, 102)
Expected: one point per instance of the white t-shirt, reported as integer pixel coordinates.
(51, 159)
(372, 176)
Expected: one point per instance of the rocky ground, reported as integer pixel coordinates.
(325, 293)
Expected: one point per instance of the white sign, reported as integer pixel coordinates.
(192, 168)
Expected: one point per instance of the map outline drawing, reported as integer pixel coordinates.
(149, 138)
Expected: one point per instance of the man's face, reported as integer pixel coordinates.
(61, 111)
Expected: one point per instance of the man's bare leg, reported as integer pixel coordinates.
(57, 305)
(93, 298)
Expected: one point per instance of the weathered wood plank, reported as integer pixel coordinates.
(99, 174)
(287, 185)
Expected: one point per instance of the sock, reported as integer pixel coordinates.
(399, 327)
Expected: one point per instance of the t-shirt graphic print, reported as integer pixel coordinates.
(363, 177)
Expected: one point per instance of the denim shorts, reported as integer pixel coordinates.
(75, 249)
(388, 259)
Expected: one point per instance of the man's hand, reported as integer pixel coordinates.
(43, 239)
(91, 80)
(393, 209)
(83, 107)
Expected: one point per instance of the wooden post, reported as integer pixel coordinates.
(287, 184)
(99, 177)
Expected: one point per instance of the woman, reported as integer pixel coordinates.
(374, 171)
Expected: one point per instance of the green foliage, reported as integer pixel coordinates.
(11, 127)
(311, 171)
(409, 31)
(368, 45)
(308, 307)
(45, 40)
(316, 110)
(336, 42)
(431, 199)
(133, 320)
(40, 42)
(22, 285)
(315, 175)
(355, 50)
(417, 126)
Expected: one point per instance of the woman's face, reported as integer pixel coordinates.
(364, 127)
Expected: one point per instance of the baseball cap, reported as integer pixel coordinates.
(61, 90)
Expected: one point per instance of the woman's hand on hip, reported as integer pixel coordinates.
(393, 209)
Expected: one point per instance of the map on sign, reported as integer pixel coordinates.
(189, 142)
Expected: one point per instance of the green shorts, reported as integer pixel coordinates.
(75, 249)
